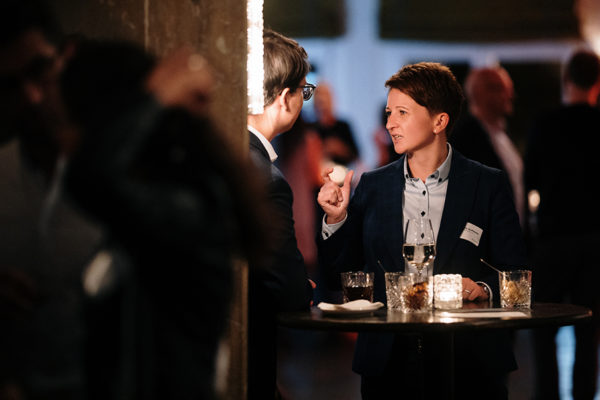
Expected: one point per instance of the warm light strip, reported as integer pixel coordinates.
(255, 57)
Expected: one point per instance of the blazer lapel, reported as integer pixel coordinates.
(394, 214)
(457, 207)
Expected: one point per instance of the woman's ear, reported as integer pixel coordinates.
(440, 122)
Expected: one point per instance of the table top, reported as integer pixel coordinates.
(383, 320)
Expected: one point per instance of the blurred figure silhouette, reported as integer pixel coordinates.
(481, 133)
(30, 65)
(339, 144)
(178, 206)
(338, 141)
(567, 221)
(44, 242)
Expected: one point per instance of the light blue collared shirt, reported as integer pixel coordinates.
(426, 199)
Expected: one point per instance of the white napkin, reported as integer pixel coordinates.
(356, 305)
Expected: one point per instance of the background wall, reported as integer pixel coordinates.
(374, 39)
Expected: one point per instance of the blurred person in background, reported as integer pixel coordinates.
(178, 206)
(481, 133)
(340, 146)
(44, 242)
(31, 63)
(339, 143)
(567, 219)
(300, 160)
(281, 282)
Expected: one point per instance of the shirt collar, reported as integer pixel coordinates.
(440, 174)
(265, 142)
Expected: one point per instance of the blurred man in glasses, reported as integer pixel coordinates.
(281, 283)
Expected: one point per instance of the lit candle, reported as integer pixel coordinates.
(447, 289)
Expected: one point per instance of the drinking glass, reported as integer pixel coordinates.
(419, 247)
(418, 251)
(515, 289)
(357, 285)
(404, 293)
(394, 285)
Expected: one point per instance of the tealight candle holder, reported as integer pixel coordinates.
(447, 289)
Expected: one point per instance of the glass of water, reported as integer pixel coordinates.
(418, 249)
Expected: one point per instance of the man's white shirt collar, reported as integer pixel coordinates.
(265, 142)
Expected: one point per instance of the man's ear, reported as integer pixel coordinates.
(284, 99)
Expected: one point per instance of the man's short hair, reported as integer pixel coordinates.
(285, 64)
(431, 85)
(583, 69)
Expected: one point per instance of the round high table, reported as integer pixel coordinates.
(444, 323)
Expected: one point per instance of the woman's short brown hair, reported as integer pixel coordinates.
(285, 64)
(431, 85)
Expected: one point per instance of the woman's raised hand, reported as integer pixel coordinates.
(333, 198)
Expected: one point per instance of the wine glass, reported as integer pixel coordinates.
(419, 248)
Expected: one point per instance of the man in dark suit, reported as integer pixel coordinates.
(472, 216)
(280, 283)
(567, 220)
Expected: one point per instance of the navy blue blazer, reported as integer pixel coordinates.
(476, 194)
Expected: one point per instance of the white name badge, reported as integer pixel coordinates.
(472, 233)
